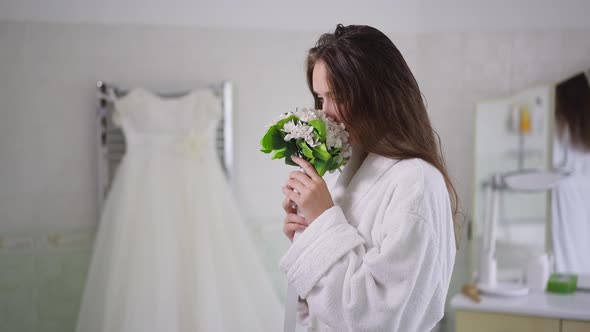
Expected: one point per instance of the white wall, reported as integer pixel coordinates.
(501, 15)
(302, 15)
(309, 15)
(261, 47)
(47, 108)
(461, 52)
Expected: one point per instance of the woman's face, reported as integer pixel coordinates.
(322, 89)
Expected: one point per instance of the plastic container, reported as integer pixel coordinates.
(562, 283)
(537, 273)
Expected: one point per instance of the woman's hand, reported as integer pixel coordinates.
(308, 190)
(293, 222)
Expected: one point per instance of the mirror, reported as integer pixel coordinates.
(513, 134)
(519, 133)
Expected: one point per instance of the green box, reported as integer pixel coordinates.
(562, 283)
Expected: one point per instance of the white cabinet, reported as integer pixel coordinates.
(470, 321)
(535, 312)
(575, 326)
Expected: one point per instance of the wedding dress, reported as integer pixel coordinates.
(172, 253)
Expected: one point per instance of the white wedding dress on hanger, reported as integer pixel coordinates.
(172, 253)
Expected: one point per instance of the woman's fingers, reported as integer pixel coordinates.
(291, 195)
(289, 206)
(293, 223)
(295, 184)
(295, 218)
(301, 177)
(290, 229)
(309, 169)
(309, 191)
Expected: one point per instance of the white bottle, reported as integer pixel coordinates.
(537, 273)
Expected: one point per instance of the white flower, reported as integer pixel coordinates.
(299, 130)
(336, 139)
(336, 135)
(289, 127)
(347, 152)
(283, 116)
(311, 140)
(306, 115)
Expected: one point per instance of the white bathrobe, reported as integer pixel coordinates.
(381, 259)
(570, 211)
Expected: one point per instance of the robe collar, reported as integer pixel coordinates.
(360, 174)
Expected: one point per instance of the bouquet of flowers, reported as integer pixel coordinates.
(311, 135)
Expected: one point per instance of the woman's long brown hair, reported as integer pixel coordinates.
(572, 110)
(377, 97)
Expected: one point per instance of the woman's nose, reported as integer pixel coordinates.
(328, 109)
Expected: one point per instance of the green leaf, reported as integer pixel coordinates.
(290, 161)
(321, 152)
(290, 150)
(331, 164)
(305, 149)
(278, 154)
(338, 165)
(335, 151)
(282, 122)
(266, 141)
(272, 140)
(320, 166)
(320, 127)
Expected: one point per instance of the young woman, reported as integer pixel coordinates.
(377, 248)
(571, 153)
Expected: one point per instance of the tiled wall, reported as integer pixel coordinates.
(47, 181)
(41, 280)
(42, 277)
